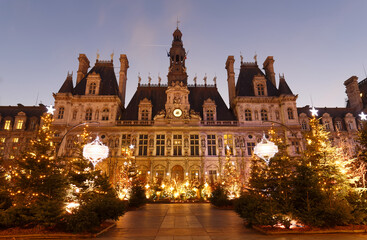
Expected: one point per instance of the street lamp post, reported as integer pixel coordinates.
(265, 149)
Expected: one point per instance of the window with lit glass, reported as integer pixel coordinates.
(212, 145)
(15, 140)
(194, 174)
(20, 124)
(145, 115)
(60, 114)
(264, 115)
(194, 145)
(248, 115)
(92, 88)
(160, 144)
(290, 113)
(2, 140)
(212, 176)
(210, 115)
(228, 141)
(105, 114)
(125, 140)
(143, 144)
(177, 145)
(7, 124)
(88, 114)
(260, 89)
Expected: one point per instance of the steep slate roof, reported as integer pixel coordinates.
(30, 111)
(363, 89)
(157, 95)
(67, 87)
(245, 87)
(284, 88)
(334, 112)
(108, 85)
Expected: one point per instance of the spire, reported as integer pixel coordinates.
(283, 86)
(177, 69)
(67, 87)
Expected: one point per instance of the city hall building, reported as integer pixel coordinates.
(181, 130)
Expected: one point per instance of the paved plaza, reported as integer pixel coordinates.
(197, 222)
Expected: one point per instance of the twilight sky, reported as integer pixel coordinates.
(316, 44)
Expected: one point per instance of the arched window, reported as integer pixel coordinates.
(264, 115)
(144, 115)
(248, 115)
(92, 88)
(260, 89)
(304, 125)
(105, 114)
(209, 115)
(327, 125)
(88, 114)
(61, 113)
(290, 113)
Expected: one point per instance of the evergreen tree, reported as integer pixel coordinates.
(39, 181)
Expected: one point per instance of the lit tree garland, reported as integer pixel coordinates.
(230, 177)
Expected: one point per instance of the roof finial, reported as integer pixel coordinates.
(255, 57)
(159, 80)
(149, 79)
(195, 79)
(205, 79)
(177, 22)
(139, 79)
(241, 58)
(97, 54)
(112, 54)
(215, 80)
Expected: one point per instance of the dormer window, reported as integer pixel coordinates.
(88, 114)
(304, 125)
(290, 113)
(209, 110)
(7, 124)
(20, 124)
(145, 110)
(260, 89)
(60, 114)
(93, 84)
(105, 114)
(92, 88)
(248, 115)
(259, 83)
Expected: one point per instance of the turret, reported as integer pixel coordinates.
(230, 79)
(83, 67)
(353, 93)
(268, 66)
(123, 77)
(177, 69)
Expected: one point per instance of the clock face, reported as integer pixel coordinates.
(177, 112)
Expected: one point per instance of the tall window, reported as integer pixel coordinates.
(15, 140)
(327, 125)
(250, 148)
(20, 124)
(7, 124)
(61, 113)
(194, 174)
(248, 115)
(88, 114)
(160, 143)
(33, 124)
(194, 145)
(105, 114)
(212, 176)
(339, 125)
(210, 115)
(144, 115)
(228, 141)
(177, 145)
(92, 88)
(264, 115)
(350, 125)
(304, 125)
(260, 89)
(290, 113)
(212, 148)
(125, 140)
(143, 144)
(295, 145)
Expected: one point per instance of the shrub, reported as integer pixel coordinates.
(219, 197)
(82, 220)
(16, 216)
(137, 196)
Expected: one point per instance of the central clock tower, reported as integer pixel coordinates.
(177, 105)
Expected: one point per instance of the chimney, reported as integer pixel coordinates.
(230, 79)
(353, 93)
(123, 77)
(268, 66)
(83, 67)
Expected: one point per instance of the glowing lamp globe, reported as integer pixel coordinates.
(95, 151)
(265, 149)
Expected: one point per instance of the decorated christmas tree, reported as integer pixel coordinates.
(230, 177)
(39, 180)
